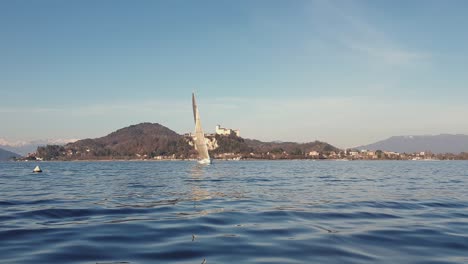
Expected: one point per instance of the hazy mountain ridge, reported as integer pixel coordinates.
(6, 155)
(24, 147)
(443, 143)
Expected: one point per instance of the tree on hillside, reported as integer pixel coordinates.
(379, 154)
(50, 152)
(297, 152)
(231, 144)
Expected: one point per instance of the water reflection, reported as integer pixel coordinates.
(197, 171)
(197, 175)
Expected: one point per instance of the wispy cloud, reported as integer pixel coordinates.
(100, 108)
(390, 55)
(346, 24)
(21, 143)
(346, 121)
(27, 110)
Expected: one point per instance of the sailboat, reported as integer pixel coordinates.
(200, 141)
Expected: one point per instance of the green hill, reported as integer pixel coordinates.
(149, 141)
(145, 140)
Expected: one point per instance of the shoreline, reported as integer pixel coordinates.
(179, 160)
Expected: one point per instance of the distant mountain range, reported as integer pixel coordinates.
(6, 155)
(444, 143)
(150, 140)
(25, 147)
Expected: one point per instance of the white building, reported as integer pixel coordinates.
(314, 153)
(226, 131)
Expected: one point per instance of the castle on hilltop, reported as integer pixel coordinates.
(219, 131)
(211, 141)
(226, 131)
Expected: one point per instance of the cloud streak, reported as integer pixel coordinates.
(389, 55)
(343, 121)
(346, 24)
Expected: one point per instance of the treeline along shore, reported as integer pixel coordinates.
(152, 141)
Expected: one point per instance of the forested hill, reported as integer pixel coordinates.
(142, 140)
(152, 140)
(291, 147)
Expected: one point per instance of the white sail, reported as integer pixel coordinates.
(200, 141)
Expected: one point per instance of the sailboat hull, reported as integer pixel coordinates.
(204, 161)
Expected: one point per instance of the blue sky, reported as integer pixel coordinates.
(345, 72)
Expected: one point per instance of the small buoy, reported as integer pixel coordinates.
(37, 169)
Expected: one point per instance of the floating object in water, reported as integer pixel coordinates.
(37, 169)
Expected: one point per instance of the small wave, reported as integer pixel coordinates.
(344, 215)
(397, 205)
(179, 254)
(56, 213)
(33, 202)
(444, 204)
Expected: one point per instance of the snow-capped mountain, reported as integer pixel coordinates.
(24, 147)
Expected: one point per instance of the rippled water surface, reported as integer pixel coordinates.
(234, 212)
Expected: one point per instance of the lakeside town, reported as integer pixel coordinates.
(148, 141)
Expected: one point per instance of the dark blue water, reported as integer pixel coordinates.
(234, 212)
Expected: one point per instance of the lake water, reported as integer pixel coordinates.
(235, 212)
